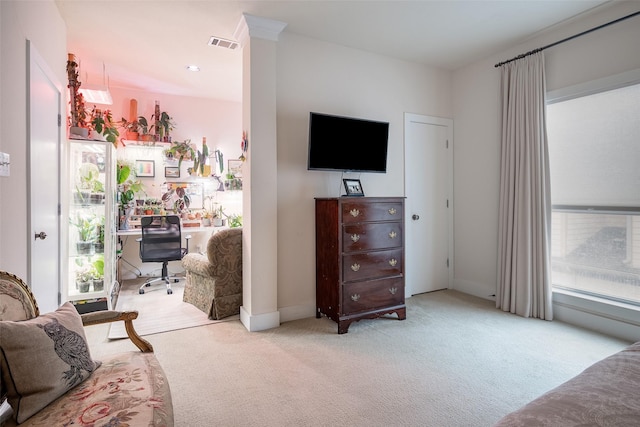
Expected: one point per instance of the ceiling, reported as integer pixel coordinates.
(147, 44)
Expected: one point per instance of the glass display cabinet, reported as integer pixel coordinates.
(91, 265)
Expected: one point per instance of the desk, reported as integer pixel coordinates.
(130, 249)
(184, 230)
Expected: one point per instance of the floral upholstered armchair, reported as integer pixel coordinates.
(214, 280)
(49, 377)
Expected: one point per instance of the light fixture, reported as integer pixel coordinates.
(193, 68)
(97, 94)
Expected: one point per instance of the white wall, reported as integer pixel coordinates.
(41, 23)
(324, 77)
(476, 105)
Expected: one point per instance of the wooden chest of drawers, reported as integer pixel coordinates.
(359, 258)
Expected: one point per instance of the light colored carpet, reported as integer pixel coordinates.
(158, 311)
(455, 361)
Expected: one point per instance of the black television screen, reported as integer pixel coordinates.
(347, 144)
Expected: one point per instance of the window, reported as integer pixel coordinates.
(594, 156)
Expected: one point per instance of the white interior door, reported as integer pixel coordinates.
(428, 213)
(44, 106)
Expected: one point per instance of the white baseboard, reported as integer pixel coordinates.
(296, 312)
(259, 322)
(480, 290)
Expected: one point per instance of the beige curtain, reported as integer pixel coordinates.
(524, 275)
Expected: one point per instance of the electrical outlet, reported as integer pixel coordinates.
(5, 161)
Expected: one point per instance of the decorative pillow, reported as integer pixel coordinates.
(43, 358)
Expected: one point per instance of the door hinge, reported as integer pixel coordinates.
(447, 202)
(447, 262)
(447, 144)
(59, 120)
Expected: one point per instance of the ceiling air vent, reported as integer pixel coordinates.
(220, 42)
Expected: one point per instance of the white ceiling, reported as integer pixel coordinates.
(147, 44)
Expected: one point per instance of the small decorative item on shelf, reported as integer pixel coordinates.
(244, 145)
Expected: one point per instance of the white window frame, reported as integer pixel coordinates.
(610, 317)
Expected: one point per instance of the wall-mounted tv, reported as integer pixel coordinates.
(347, 144)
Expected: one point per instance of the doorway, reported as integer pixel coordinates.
(43, 203)
(429, 203)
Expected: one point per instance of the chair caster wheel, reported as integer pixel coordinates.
(176, 280)
(169, 291)
(147, 284)
(141, 291)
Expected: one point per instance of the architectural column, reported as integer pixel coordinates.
(258, 37)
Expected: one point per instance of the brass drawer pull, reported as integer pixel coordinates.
(393, 290)
(393, 262)
(354, 212)
(392, 234)
(392, 211)
(355, 267)
(355, 237)
(355, 297)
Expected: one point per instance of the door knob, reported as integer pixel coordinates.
(415, 217)
(41, 235)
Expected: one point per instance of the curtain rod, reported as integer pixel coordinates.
(531, 52)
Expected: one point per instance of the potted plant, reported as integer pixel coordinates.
(131, 129)
(89, 188)
(164, 125)
(182, 202)
(235, 220)
(98, 273)
(103, 124)
(127, 190)
(181, 150)
(200, 166)
(78, 114)
(218, 217)
(84, 275)
(86, 234)
(99, 243)
(145, 129)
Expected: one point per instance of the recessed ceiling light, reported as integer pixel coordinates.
(193, 68)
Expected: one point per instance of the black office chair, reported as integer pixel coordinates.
(161, 241)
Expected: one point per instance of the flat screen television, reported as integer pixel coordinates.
(347, 144)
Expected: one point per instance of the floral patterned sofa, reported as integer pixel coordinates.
(214, 281)
(48, 377)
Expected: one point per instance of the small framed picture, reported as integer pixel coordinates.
(171, 172)
(145, 168)
(353, 187)
(234, 167)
